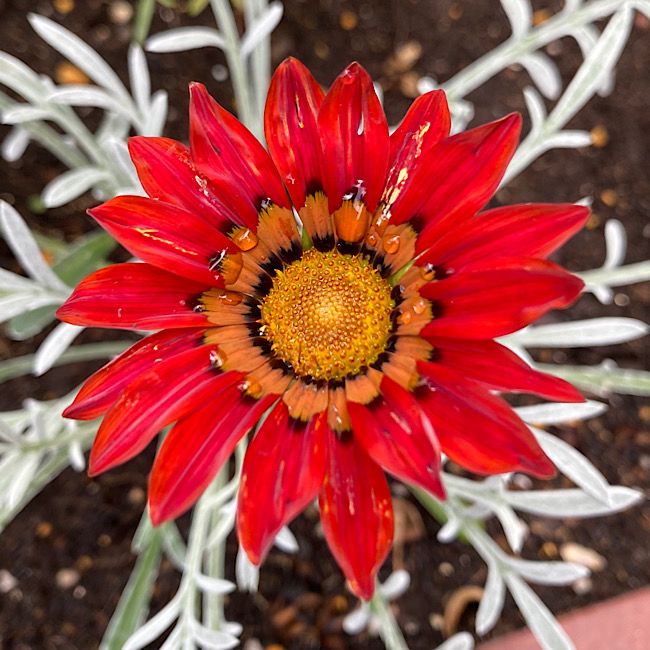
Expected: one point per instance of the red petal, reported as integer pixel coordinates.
(398, 436)
(460, 175)
(483, 302)
(152, 401)
(283, 472)
(356, 513)
(498, 368)
(167, 173)
(424, 125)
(133, 296)
(291, 128)
(477, 429)
(101, 389)
(530, 230)
(164, 235)
(231, 158)
(196, 448)
(354, 137)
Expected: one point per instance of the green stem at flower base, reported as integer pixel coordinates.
(389, 630)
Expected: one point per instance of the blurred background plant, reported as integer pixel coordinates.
(36, 444)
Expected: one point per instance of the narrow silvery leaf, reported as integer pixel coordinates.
(604, 378)
(26, 250)
(460, 641)
(185, 38)
(175, 547)
(212, 639)
(70, 185)
(357, 620)
(222, 529)
(120, 154)
(157, 115)
(620, 276)
(574, 502)
(155, 626)
(25, 468)
(514, 528)
(586, 37)
(594, 70)
(573, 465)
(232, 627)
(20, 113)
(21, 78)
(541, 622)
(114, 126)
(569, 139)
(616, 242)
(396, 584)
(13, 282)
(491, 605)
(15, 144)
(559, 412)
(214, 585)
(54, 345)
(449, 531)
(581, 333)
(79, 53)
(7, 434)
(571, 5)
(248, 575)
(78, 95)
(519, 14)
(76, 456)
(544, 74)
(536, 108)
(286, 541)
(19, 303)
(548, 573)
(261, 28)
(139, 76)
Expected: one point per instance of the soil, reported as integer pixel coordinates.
(70, 549)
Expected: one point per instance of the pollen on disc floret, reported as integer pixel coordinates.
(328, 315)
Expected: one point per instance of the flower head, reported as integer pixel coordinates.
(365, 330)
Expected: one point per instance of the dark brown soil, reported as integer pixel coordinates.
(87, 525)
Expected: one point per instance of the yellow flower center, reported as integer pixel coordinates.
(328, 315)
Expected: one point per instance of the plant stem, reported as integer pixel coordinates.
(389, 630)
(213, 614)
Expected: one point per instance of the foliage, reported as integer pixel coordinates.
(36, 444)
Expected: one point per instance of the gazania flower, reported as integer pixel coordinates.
(364, 331)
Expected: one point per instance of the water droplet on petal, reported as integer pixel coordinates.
(231, 267)
(245, 239)
(251, 387)
(391, 243)
(217, 358)
(405, 318)
(427, 272)
(420, 306)
(230, 298)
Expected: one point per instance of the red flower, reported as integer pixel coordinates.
(367, 336)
